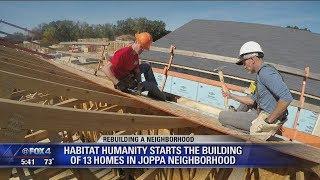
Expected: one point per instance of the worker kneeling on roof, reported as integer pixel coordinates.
(271, 97)
(124, 69)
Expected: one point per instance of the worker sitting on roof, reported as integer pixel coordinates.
(271, 96)
(124, 69)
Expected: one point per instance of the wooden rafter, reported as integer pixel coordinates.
(13, 80)
(36, 136)
(112, 108)
(34, 116)
(28, 58)
(35, 62)
(85, 43)
(36, 65)
(38, 73)
(149, 174)
(39, 98)
(18, 94)
(69, 103)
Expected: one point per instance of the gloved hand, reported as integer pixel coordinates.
(122, 86)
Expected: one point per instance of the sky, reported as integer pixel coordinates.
(29, 14)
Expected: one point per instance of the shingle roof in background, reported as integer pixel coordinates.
(289, 47)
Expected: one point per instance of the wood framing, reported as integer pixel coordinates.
(36, 136)
(35, 65)
(34, 116)
(15, 80)
(18, 94)
(83, 107)
(203, 120)
(148, 175)
(26, 57)
(39, 98)
(85, 43)
(12, 45)
(69, 103)
(49, 76)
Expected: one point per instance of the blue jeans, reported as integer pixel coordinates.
(150, 84)
(150, 81)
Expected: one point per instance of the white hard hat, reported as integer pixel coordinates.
(248, 48)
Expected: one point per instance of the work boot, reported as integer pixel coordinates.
(171, 97)
(157, 95)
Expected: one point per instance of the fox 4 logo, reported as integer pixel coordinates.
(39, 151)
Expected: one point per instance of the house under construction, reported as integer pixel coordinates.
(46, 99)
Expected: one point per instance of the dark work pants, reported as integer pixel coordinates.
(150, 84)
(146, 70)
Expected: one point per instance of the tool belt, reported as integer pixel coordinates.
(282, 119)
(130, 81)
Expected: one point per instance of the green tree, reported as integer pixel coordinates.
(49, 36)
(298, 28)
(66, 30)
(132, 26)
(87, 31)
(105, 31)
(125, 27)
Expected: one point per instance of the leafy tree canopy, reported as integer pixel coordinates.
(296, 27)
(66, 30)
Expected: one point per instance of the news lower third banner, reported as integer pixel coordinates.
(146, 152)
